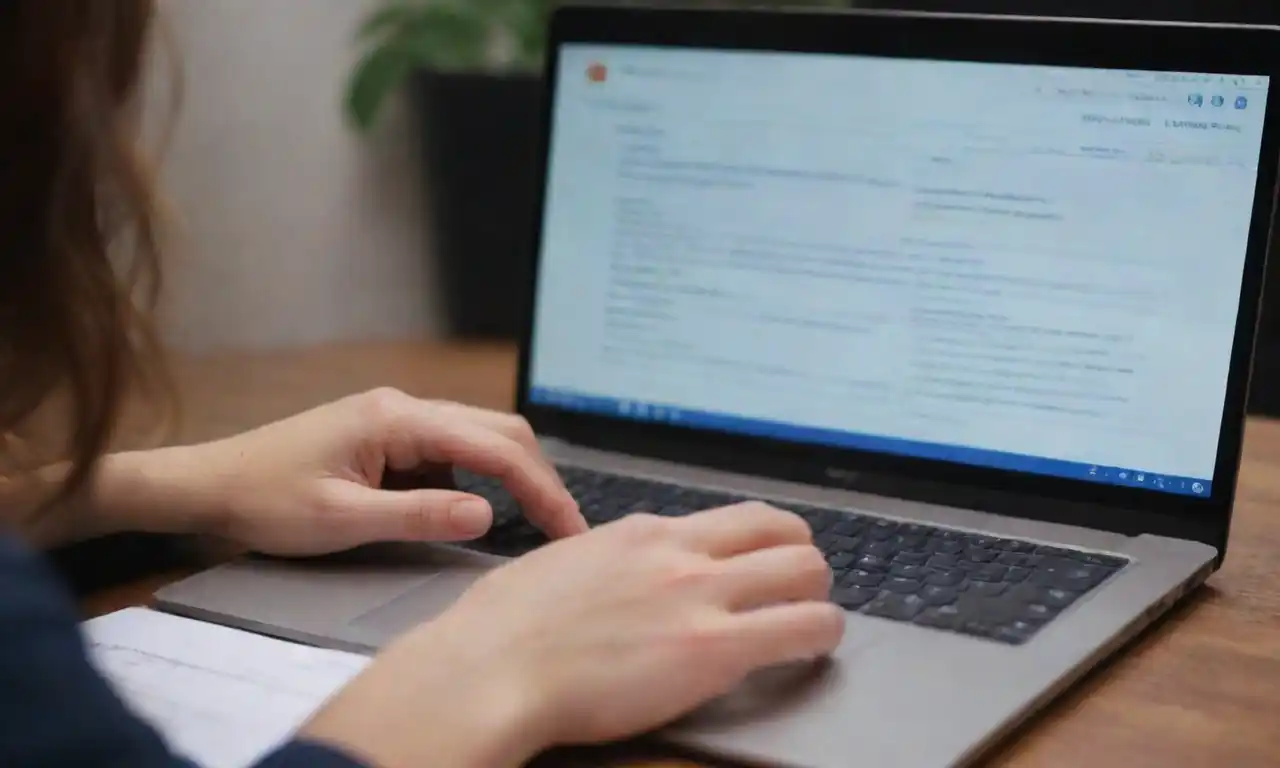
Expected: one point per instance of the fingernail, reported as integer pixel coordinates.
(470, 518)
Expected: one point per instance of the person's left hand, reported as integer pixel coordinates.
(313, 484)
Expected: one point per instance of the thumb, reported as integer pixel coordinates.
(418, 515)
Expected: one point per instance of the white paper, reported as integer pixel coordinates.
(220, 697)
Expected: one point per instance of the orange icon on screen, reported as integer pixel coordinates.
(597, 73)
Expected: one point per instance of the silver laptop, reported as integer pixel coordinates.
(975, 296)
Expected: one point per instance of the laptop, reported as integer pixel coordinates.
(975, 296)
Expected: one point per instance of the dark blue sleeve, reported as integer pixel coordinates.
(298, 754)
(55, 709)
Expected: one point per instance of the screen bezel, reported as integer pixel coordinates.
(1226, 49)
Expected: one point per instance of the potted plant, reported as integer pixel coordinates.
(475, 70)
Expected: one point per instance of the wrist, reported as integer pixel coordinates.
(472, 717)
(165, 490)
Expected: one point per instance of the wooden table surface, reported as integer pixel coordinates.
(1201, 689)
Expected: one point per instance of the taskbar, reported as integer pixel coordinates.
(659, 413)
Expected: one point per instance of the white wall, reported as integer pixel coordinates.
(296, 230)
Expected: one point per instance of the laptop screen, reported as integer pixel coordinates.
(1028, 268)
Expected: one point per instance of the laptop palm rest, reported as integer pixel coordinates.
(357, 601)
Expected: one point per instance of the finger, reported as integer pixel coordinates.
(461, 443)
(783, 574)
(786, 633)
(518, 429)
(366, 515)
(742, 528)
(508, 424)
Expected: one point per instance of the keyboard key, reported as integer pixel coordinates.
(895, 606)
(909, 541)
(939, 595)
(976, 555)
(911, 558)
(882, 530)
(943, 561)
(1017, 575)
(988, 588)
(883, 549)
(1011, 558)
(862, 579)
(853, 598)
(1038, 612)
(1057, 598)
(841, 543)
(1107, 561)
(945, 578)
(992, 572)
(1017, 632)
(943, 617)
(917, 572)
(1074, 578)
(871, 563)
(902, 586)
(841, 560)
(847, 527)
(949, 546)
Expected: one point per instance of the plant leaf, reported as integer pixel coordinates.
(379, 73)
(528, 28)
(438, 36)
(445, 37)
(390, 19)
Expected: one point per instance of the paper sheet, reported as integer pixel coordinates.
(220, 697)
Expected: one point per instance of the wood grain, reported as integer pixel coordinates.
(1200, 689)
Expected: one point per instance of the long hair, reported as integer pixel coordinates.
(79, 231)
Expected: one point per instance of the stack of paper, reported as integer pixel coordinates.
(220, 697)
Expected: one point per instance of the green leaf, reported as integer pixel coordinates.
(528, 28)
(390, 19)
(379, 73)
(444, 37)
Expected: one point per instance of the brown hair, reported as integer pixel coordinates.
(79, 231)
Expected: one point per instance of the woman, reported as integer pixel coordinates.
(595, 637)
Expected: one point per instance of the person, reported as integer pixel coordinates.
(597, 636)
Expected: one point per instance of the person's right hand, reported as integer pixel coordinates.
(592, 639)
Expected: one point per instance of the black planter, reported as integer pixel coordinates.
(1264, 390)
(479, 154)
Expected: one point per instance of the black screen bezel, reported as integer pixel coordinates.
(1225, 49)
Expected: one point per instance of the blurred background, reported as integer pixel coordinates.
(363, 169)
(350, 169)
(296, 229)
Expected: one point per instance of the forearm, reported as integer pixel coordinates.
(156, 491)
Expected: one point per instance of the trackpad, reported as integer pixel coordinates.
(769, 692)
(425, 601)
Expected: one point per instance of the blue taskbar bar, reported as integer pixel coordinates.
(663, 414)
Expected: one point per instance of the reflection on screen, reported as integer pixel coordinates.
(1033, 268)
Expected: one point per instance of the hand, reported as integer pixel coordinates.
(311, 484)
(593, 639)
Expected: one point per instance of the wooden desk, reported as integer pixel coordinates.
(1202, 689)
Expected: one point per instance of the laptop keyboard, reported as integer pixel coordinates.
(998, 589)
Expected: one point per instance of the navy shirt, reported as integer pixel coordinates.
(55, 709)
